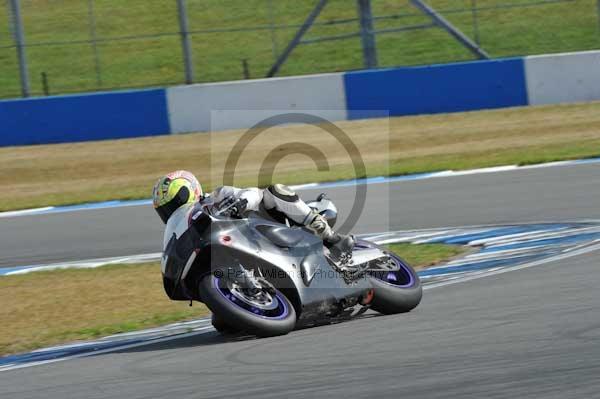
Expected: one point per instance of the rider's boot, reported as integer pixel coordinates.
(340, 245)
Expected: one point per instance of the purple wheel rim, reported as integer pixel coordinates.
(281, 312)
(402, 278)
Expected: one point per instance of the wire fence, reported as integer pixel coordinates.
(87, 45)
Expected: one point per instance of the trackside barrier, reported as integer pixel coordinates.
(545, 79)
(190, 106)
(97, 116)
(437, 88)
(563, 78)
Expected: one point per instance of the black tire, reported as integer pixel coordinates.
(213, 293)
(399, 296)
(221, 326)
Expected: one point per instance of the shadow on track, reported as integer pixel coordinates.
(210, 338)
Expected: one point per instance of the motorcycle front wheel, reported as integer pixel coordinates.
(221, 326)
(259, 313)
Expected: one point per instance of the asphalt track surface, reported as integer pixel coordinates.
(530, 195)
(532, 333)
(526, 333)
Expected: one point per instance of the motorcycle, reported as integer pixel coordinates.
(265, 277)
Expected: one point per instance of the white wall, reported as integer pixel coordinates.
(562, 78)
(190, 106)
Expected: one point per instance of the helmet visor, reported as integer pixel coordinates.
(166, 210)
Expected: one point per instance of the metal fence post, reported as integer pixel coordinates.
(94, 39)
(297, 37)
(20, 44)
(274, 45)
(451, 29)
(475, 21)
(186, 42)
(598, 11)
(366, 34)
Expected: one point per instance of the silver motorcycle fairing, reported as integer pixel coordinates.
(302, 269)
(291, 259)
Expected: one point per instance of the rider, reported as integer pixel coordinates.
(279, 201)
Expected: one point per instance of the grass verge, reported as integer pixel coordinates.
(72, 173)
(47, 308)
(423, 255)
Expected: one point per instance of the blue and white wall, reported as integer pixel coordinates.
(190, 106)
(96, 116)
(545, 79)
(563, 78)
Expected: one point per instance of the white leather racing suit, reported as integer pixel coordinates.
(281, 202)
(276, 200)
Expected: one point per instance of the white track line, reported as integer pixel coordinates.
(521, 267)
(87, 264)
(199, 331)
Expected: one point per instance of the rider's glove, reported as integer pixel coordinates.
(233, 207)
(240, 208)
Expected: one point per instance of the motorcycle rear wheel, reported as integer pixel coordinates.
(278, 318)
(395, 292)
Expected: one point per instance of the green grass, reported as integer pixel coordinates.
(48, 308)
(157, 58)
(423, 255)
(530, 155)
